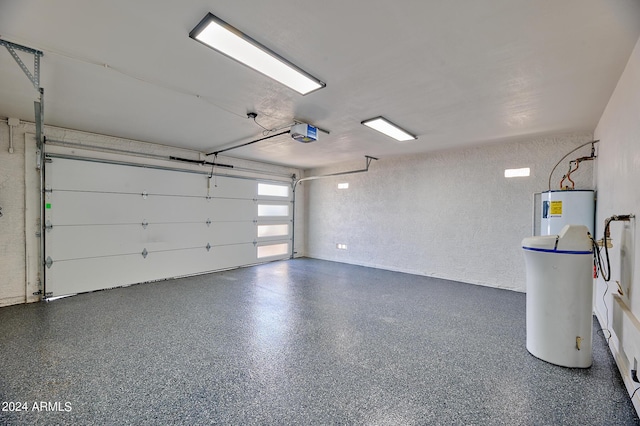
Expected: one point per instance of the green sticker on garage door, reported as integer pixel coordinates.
(48, 205)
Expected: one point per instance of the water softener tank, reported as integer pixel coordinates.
(560, 296)
(567, 207)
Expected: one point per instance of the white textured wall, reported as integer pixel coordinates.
(449, 214)
(618, 183)
(12, 223)
(18, 272)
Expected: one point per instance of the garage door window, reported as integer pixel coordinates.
(273, 250)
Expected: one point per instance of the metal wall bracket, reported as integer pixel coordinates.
(208, 247)
(38, 107)
(48, 262)
(35, 77)
(35, 80)
(145, 253)
(144, 224)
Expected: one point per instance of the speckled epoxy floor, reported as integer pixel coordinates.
(294, 342)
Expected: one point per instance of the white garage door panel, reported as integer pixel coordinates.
(155, 209)
(226, 233)
(93, 176)
(78, 242)
(99, 273)
(232, 256)
(226, 187)
(87, 208)
(228, 210)
(103, 217)
(103, 177)
(93, 274)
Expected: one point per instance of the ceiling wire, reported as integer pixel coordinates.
(156, 83)
(266, 131)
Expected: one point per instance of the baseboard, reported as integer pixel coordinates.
(8, 301)
(412, 272)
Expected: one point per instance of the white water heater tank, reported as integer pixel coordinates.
(570, 207)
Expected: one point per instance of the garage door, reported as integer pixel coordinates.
(109, 225)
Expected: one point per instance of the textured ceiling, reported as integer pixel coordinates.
(454, 73)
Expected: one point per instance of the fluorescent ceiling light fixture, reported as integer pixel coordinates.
(383, 125)
(218, 35)
(510, 173)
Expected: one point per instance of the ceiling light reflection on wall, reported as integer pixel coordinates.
(383, 125)
(218, 35)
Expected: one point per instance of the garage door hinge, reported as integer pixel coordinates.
(145, 224)
(208, 222)
(255, 242)
(208, 247)
(48, 189)
(37, 293)
(145, 253)
(48, 262)
(49, 294)
(48, 225)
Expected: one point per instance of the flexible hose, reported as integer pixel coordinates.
(606, 273)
